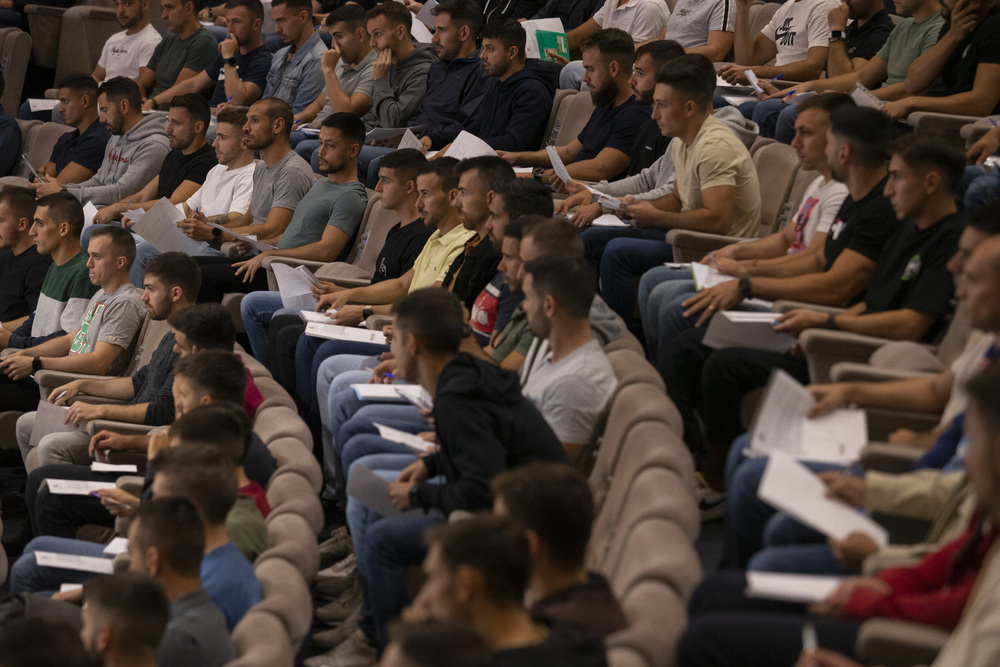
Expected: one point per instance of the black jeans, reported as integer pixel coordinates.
(61, 515)
(218, 277)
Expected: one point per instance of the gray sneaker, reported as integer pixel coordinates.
(336, 635)
(339, 609)
(336, 547)
(355, 651)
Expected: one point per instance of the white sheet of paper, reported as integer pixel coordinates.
(403, 438)
(468, 145)
(415, 394)
(251, 239)
(51, 418)
(531, 38)
(802, 588)
(409, 140)
(68, 588)
(118, 545)
(781, 424)
(97, 466)
(742, 329)
(89, 211)
(333, 331)
(752, 78)
(557, 164)
(737, 100)
(421, 32)
(425, 16)
(76, 487)
(135, 214)
(608, 220)
(312, 316)
(864, 97)
(707, 276)
(791, 488)
(42, 105)
(70, 562)
(294, 286)
(311, 131)
(159, 228)
(371, 490)
(378, 392)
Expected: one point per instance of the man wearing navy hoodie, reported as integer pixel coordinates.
(484, 426)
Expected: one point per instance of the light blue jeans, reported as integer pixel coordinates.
(256, 311)
(26, 576)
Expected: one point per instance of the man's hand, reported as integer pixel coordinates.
(335, 300)
(796, 321)
(324, 287)
(744, 5)
(228, 47)
(330, 59)
(49, 187)
(16, 366)
(559, 186)
(853, 550)
(380, 68)
(81, 412)
(415, 472)
(847, 488)
(734, 74)
(195, 227)
(60, 395)
(425, 144)
(118, 502)
(348, 316)
(147, 105)
(105, 441)
(828, 397)
(711, 300)
(248, 269)
(729, 267)
(511, 157)
(833, 605)
(4, 338)
(987, 145)
(838, 16)
(585, 215)
(225, 106)
(399, 493)
(963, 20)
(642, 214)
(381, 373)
(74, 596)
(899, 109)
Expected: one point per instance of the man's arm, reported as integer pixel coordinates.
(144, 166)
(394, 110)
(194, 83)
(923, 394)
(714, 217)
(607, 164)
(749, 49)
(848, 277)
(719, 43)
(801, 70)
(926, 68)
(566, 153)
(589, 27)
(71, 173)
(91, 363)
(980, 101)
(146, 80)
(356, 103)
(275, 225)
(902, 324)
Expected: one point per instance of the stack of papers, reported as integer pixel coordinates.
(722, 83)
(734, 328)
(76, 487)
(467, 145)
(97, 466)
(118, 545)
(295, 285)
(790, 487)
(781, 425)
(158, 227)
(332, 331)
(531, 29)
(394, 393)
(420, 32)
(42, 105)
(706, 275)
(402, 437)
(251, 239)
(608, 220)
(313, 316)
(801, 588)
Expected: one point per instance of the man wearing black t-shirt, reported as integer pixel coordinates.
(601, 150)
(185, 167)
(966, 59)
(22, 269)
(909, 296)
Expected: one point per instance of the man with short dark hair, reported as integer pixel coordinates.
(187, 49)
(77, 155)
(601, 150)
(22, 267)
(124, 617)
(295, 75)
(434, 643)
(125, 52)
(553, 503)
(134, 154)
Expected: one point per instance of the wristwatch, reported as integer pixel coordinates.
(230, 61)
(836, 35)
(216, 241)
(36, 364)
(745, 286)
(414, 497)
(367, 312)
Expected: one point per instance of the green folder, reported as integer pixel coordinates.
(556, 41)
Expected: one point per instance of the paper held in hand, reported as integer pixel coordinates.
(606, 200)
(865, 98)
(425, 16)
(295, 285)
(468, 145)
(790, 487)
(531, 29)
(421, 32)
(373, 492)
(752, 78)
(394, 393)
(71, 562)
(411, 440)
(51, 418)
(800, 588)
(252, 240)
(89, 212)
(734, 328)
(706, 275)
(397, 137)
(76, 487)
(37, 105)
(557, 164)
(158, 227)
(332, 331)
(781, 425)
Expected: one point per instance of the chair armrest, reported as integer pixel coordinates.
(823, 348)
(883, 421)
(883, 457)
(376, 322)
(785, 305)
(290, 261)
(893, 643)
(52, 379)
(93, 11)
(350, 282)
(940, 123)
(691, 246)
(122, 428)
(849, 371)
(972, 132)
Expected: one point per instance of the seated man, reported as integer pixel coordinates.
(715, 186)
(400, 70)
(323, 224)
(66, 288)
(553, 504)
(966, 58)
(704, 27)
(104, 339)
(469, 394)
(347, 76)
(22, 267)
(600, 151)
(223, 197)
(184, 167)
(77, 155)
(171, 283)
(134, 154)
(422, 643)
(126, 52)
(124, 618)
(186, 50)
(478, 570)
(238, 74)
(908, 298)
(280, 181)
(295, 75)
(572, 13)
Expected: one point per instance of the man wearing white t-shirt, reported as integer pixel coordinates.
(125, 52)
(227, 190)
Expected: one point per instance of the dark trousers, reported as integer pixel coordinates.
(61, 515)
(282, 336)
(20, 396)
(218, 277)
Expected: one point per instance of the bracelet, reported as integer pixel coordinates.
(831, 322)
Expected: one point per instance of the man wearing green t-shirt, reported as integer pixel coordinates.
(186, 51)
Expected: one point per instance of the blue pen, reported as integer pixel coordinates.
(777, 77)
(389, 375)
(993, 122)
(789, 93)
(229, 99)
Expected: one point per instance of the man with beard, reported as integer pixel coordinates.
(185, 166)
(187, 49)
(78, 154)
(126, 51)
(601, 150)
(135, 152)
(239, 72)
(324, 221)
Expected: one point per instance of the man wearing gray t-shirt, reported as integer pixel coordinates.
(106, 337)
(571, 383)
(280, 181)
(704, 26)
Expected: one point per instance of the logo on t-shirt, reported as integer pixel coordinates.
(836, 228)
(912, 268)
(81, 340)
(784, 35)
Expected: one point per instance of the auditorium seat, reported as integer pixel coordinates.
(15, 52)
